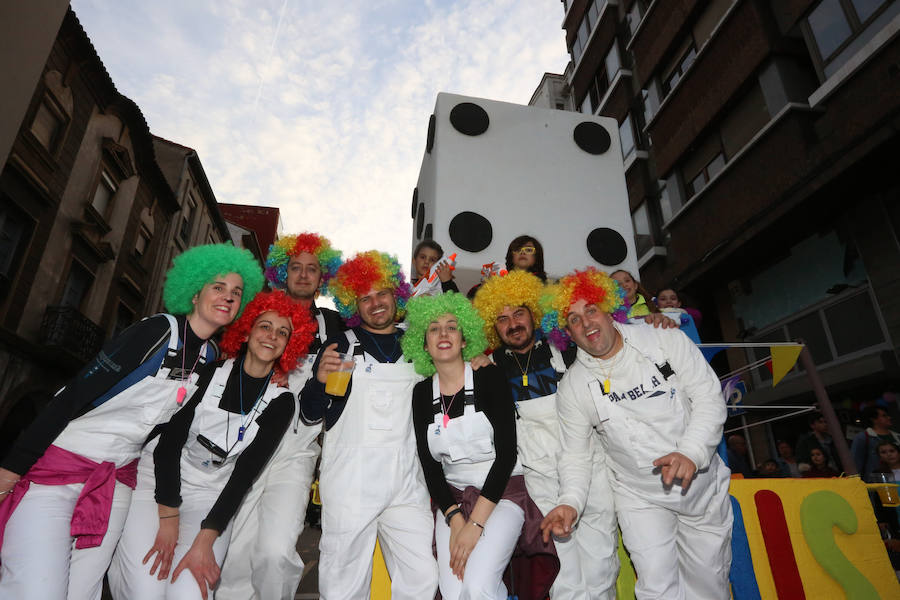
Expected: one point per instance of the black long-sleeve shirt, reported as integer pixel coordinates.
(273, 421)
(134, 354)
(315, 404)
(492, 397)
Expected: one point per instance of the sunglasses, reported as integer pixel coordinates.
(525, 250)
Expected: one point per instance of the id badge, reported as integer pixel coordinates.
(601, 400)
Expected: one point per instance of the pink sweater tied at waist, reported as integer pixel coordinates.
(90, 519)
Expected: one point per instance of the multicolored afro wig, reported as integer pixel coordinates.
(516, 288)
(197, 266)
(360, 274)
(280, 254)
(303, 327)
(422, 310)
(590, 285)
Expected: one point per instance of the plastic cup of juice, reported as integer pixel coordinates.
(884, 484)
(336, 382)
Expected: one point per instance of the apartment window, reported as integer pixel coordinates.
(15, 230)
(686, 59)
(612, 62)
(77, 285)
(588, 22)
(667, 206)
(187, 215)
(103, 194)
(634, 16)
(124, 318)
(626, 136)
(710, 170)
(643, 239)
(48, 124)
(143, 241)
(833, 24)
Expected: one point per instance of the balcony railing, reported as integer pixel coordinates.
(65, 328)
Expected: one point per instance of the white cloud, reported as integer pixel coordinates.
(327, 120)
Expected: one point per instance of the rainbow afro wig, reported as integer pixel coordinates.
(363, 272)
(280, 254)
(422, 310)
(516, 288)
(590, 285)
(197, 266)
(303, 327)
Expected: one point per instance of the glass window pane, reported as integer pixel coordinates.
(642, 238)
(688, 59)
(666, 209)
(613, 64)
(829, 26)
(594, 11)
(76, 285)
(633, 18)
(697, 183)
(586, 104)
(810, 329)
(854, 325)
(715, 165)
(626, 136)
(45, 126)
(866, 8)
(101, 198)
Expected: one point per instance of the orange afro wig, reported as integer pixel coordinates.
(302, 323)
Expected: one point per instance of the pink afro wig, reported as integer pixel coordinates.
(303, 327)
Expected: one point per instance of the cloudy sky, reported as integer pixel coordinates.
(319, 107)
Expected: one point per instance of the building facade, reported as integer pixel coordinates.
(89, 223)
(758, 139)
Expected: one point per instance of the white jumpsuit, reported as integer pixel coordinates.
(663, 398)
(465, 448)
(202, 480)
(372, 486)
(589, 562)
(262, 562)
(39, 560)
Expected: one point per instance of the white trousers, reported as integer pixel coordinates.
(588, 559)
(678, 557)
(39, 559)
(483, 578)
(346, 548)
(262, 561)
(131, 580)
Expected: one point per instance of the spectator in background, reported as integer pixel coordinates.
(865, 445)
(738, 459)
(786, 460)
(819, 465)
(427, 253)
(668, 300)
(818, 437)
(639, 302)
(889, 454)
(769, 468)
(525, 253)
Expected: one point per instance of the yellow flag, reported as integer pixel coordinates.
(783, 359)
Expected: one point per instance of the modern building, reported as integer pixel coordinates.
(759, 140)
(89, 223)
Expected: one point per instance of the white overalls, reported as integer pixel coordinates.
(203, 477)
(262, 561)
(371, 485)
(465, 449)
(663, 398)
(39, 560)
(589, 562)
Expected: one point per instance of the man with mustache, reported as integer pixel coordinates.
(371, 481)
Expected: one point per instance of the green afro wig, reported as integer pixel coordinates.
(422, 310)
(197, 266)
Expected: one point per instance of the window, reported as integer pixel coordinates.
(143, 241)
(710, 170)
(103, 194)
(15, 229)
(626, 137)
(77, 285)
(187, 214)
(634, 16)
(643, 239)
(48, 124)
(834, 24)
(667, 207)
(612, 62)
(588, 22)
(681, 66)
(124, 318)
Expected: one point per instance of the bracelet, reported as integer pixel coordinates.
(171, 516)
(6, 492)
(10, 480)
(451, 514)
(477, 523)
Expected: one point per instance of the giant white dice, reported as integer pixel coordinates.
(493, 171)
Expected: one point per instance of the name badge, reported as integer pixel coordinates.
(601, 401)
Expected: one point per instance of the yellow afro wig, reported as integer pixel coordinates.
(517, 288)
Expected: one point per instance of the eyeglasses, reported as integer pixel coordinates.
(525, 250)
